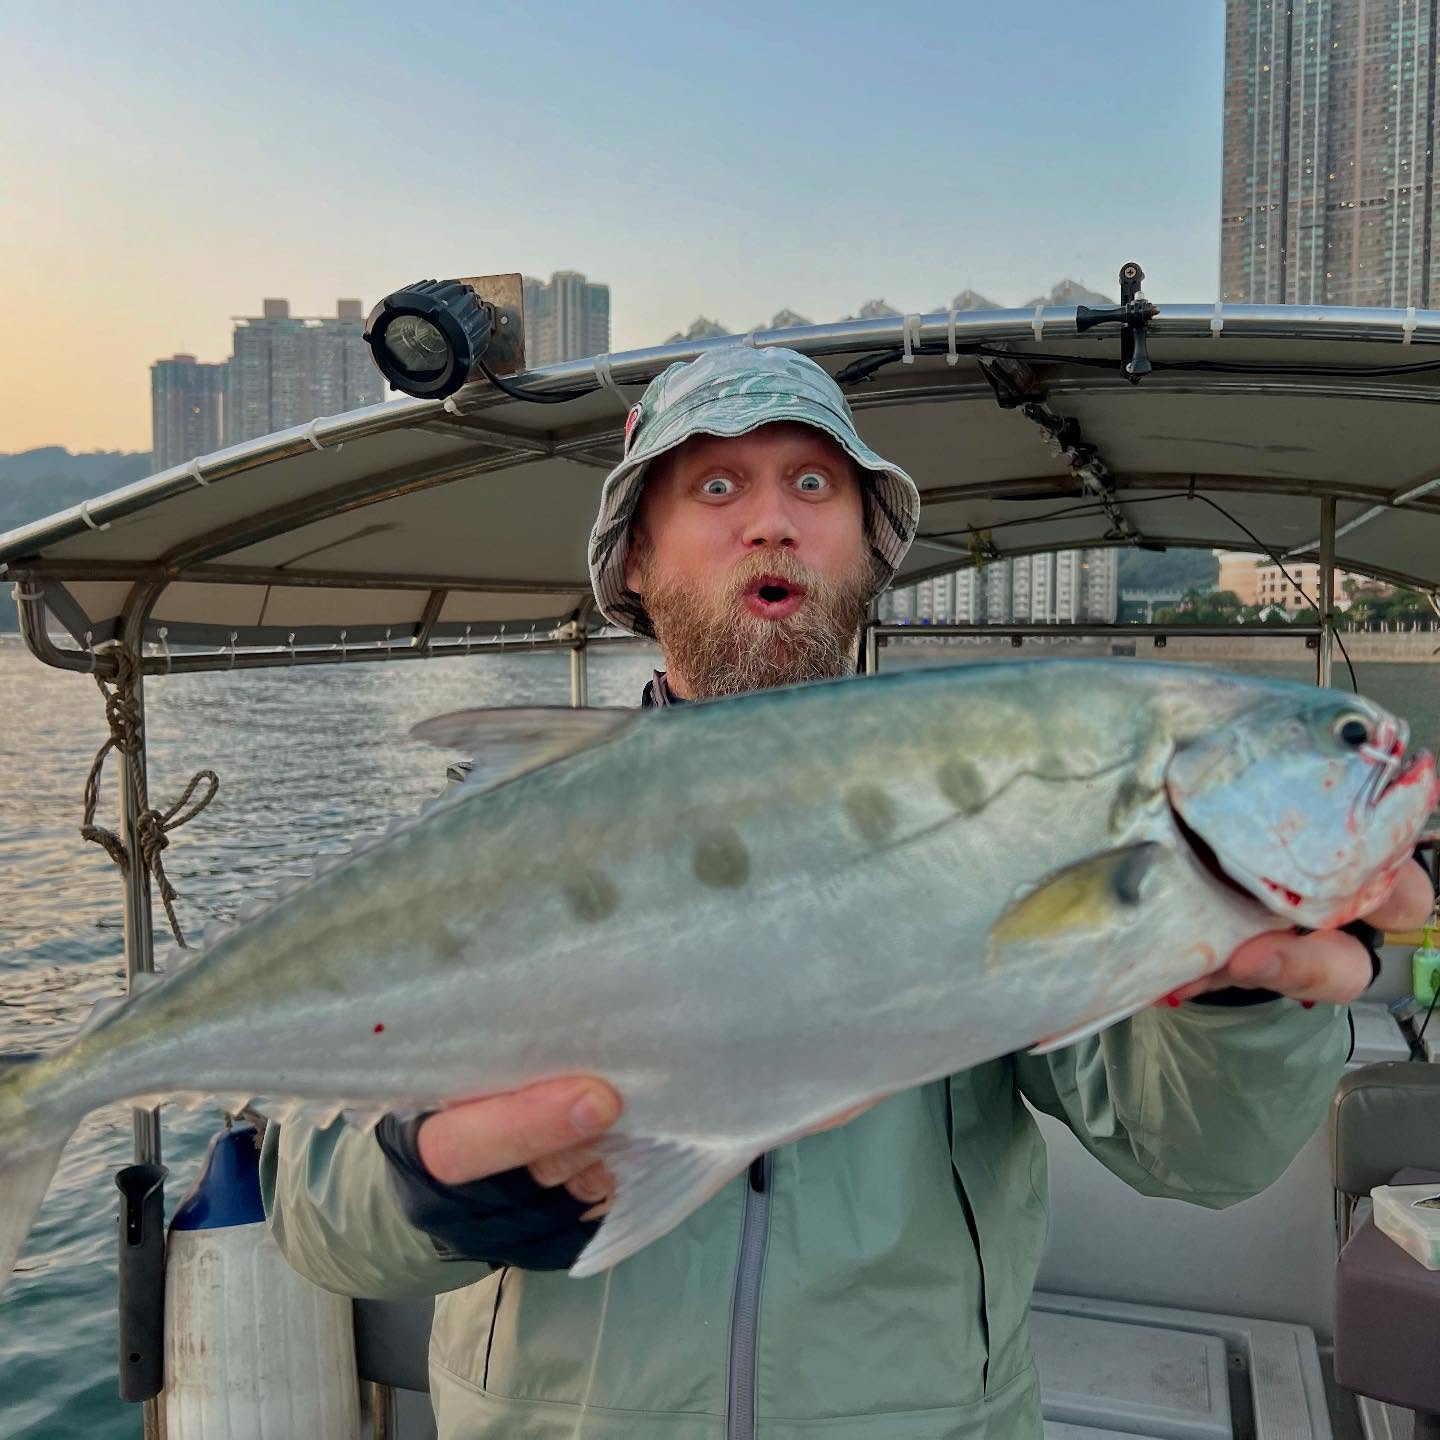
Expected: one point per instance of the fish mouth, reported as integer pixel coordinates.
(1399, 776)
(772, 597)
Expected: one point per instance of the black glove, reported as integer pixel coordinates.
(505, 1219)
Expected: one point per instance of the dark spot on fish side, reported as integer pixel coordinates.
(591, 895)
(447, 943)
(961, 785)
(1130, 799)
(721, 859)
(871, 812)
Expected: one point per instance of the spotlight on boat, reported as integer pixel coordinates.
(430, 338)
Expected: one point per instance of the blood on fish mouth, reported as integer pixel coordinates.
(1404, 775)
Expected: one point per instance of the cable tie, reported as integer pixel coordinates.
(909, 336)
(85, 516)
(193, 470)
(164, 633)
(1217, 320)
(951, 358)
(310, 434)
(606, 376)
(1407, 326)
(234, 635)
(1037, 323)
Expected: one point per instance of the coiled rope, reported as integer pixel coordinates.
(152, 827)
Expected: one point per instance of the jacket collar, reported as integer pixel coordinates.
(658, 695)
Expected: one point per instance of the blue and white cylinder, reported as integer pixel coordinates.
(252, 1349)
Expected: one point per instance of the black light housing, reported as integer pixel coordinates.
(430, 338)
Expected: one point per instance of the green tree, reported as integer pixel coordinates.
(1201, 607)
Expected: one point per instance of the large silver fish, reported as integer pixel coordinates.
(754, 915)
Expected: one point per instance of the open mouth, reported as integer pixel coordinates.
(1398, 776)
(773, 598)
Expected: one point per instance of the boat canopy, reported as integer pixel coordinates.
(423, 525)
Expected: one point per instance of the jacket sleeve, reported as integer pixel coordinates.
(338, 1220)
(1202, 1103)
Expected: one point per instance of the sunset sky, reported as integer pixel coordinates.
(165, 166)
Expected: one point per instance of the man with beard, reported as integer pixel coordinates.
(872, 1279)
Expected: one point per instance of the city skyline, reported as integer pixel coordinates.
(839, 155)
(284, 370)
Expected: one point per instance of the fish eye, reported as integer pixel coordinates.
(812, 481)
(1352, 731)
(718, 485)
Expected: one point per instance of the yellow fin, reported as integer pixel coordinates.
(1082, 897)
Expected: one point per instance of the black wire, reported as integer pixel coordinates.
(868, 365)
(1434, 999)
(1261, 545)
(561, 397)
(1090, 508)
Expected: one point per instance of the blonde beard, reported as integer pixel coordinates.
(717, 647)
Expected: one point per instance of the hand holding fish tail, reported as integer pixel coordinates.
(1320, 966)
(546, 1127)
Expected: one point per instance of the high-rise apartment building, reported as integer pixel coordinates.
(287, 369)
(969, 596)
(1100, 585)
(1058, 589)
(187, 410)
(1328, 187)
(566, 319)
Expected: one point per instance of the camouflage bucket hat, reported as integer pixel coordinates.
(730, 391)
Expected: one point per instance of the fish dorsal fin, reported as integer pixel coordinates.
(658, 1182)
(509, 741)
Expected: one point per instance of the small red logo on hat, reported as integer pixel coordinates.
(631, 421)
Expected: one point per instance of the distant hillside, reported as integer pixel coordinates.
(37, 483)
(1174, 570)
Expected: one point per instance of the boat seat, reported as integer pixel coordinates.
(392, 1342)
(1385, 1129)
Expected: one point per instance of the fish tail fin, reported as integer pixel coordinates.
(28, 1160)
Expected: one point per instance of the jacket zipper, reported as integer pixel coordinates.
(745, 1311)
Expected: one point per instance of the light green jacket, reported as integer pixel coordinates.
(900, 1250)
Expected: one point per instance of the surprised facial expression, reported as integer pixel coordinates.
(749, 554)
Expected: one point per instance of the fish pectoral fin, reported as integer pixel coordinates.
(509, 741)
(1085, 897)
(658, 1182)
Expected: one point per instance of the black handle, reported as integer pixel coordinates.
(142, 1281)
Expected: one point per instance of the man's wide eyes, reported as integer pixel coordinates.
(811, 482)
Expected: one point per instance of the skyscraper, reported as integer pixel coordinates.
(289, 369)
(566, 319)
(1328, 188)
(1062, 588)
(187, 410)
(1100, 595)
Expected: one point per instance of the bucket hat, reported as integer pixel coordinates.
(727, 391)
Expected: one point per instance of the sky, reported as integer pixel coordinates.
(165, 166)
